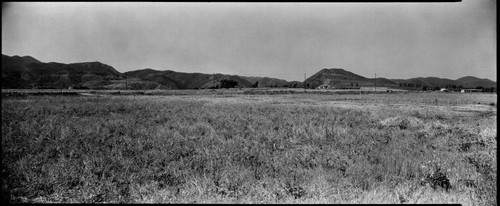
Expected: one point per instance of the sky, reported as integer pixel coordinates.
(280, 40)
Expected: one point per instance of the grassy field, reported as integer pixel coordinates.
(237, 148)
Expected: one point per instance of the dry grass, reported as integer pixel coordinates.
(293, 148)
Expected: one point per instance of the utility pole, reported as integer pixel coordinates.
(305, 82)
(126, 82)
(375, 81)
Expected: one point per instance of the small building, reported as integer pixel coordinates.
(470, 90)
(323, 86)
(327, 84)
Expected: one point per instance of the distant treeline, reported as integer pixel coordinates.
(451, 87)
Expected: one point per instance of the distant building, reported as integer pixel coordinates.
(328, 84)
(325, 85)
(470, 90)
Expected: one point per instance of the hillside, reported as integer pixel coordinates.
(266, 82)
(27, 72)
(17, 63)
(472, 82)
(179, 80)
(15, 71)
(339, 77)
(433, 82)
(383, 82)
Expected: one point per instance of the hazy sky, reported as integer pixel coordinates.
(282, 40)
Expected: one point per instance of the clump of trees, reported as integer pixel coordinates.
(450, 87)
(255, 85)
(228, 83)
(488, 89)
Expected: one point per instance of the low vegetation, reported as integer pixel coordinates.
(289, 148)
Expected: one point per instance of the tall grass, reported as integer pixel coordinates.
(163, 149)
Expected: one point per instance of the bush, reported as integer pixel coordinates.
(227, 83)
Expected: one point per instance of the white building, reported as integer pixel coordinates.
(470, 90)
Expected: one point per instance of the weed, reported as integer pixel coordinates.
(296, 148)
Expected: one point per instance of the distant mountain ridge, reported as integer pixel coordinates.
(27, 72)
(181, 80)
(432, 82)
(470, 81)
(338, 76)
(263, 82)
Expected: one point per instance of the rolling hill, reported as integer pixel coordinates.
(27, 72)
(341, 77)
(17, 63)
(180, 80)
(15, 71)
(433, 82)
(472, 82)
(265, 82)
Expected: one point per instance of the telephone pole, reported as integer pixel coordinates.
(305, 82)
(375, 81)
(126, 82)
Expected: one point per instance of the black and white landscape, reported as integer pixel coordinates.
(122, 102)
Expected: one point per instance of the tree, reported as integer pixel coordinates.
(228, 83)
(255, 85)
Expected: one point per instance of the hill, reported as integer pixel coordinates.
(27, 72)
(473, 82)
(340, 77)
(16, 63)
(15, 71)
(266, 82)
(434, 82)
(180, 80)
(336, 77)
